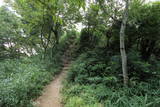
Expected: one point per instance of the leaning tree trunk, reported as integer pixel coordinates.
(122, 44)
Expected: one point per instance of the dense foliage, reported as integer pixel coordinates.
(35, 34)
(94, 79)
(9, 34)
(21, 79)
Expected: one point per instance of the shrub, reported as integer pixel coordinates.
(89, 68)
(97, 77)
(21, 82)
(88, 39)
(21, 79)
(79, 102)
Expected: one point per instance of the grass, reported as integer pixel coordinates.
(94, 79)
(21, 81)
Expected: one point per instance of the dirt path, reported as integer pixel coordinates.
(51, 96)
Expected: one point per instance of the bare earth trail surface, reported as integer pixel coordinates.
(51, 96)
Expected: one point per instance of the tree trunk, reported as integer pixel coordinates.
(122, 44)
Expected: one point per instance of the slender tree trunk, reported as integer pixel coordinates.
(122, 44)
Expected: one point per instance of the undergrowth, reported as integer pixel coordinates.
(22, 80)
(95, 80)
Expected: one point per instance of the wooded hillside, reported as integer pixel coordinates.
(112, 47)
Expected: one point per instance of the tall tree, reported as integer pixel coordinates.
(122, 43)
(10, 33)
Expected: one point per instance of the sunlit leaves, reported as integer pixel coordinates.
(80, 3)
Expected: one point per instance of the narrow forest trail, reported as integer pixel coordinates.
(51, 96)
